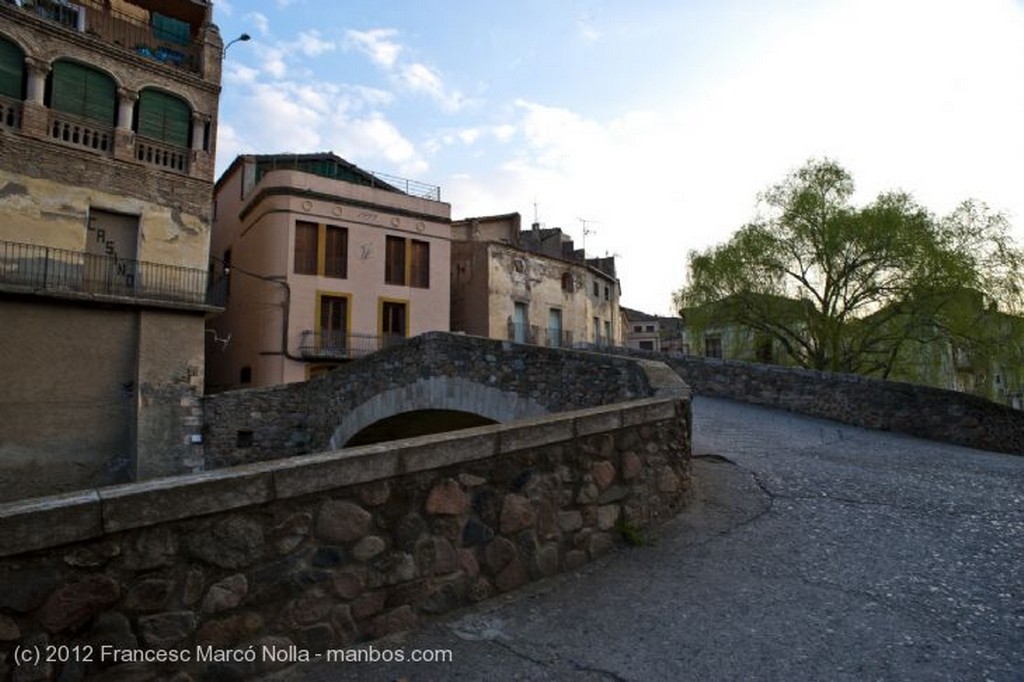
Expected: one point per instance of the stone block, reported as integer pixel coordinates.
(168, 499)
(226, 594)
(29, 525)
(607, 516)
(368, 547)
(335, 469)
(603, 472)
(75, 603)
(447, 497)
(227, 542)
(533, 433)
(167, 630)
(395, 620)
(340, 521)
(647, 411)
(597, 420)
(517, 513)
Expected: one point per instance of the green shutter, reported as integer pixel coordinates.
(164, 117)
(170, 29)
(85, 92)
(12, 69)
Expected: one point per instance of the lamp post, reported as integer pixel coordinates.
(244, 38)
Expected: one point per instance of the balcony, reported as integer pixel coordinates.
(133, 29)
(59, 272)
(336, 345)
(161, 155)
(82, 133)
(539, 336)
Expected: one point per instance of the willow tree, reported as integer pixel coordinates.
(850, 289)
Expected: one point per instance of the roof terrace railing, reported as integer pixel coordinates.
(45, 269)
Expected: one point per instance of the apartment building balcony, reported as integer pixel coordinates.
(137, 27)
(41, 270)
(336, 345)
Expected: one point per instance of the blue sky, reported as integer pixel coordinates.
(657, 123)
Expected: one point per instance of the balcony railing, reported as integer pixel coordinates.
(60, 271)
(539, 336)
(161, 154)
(132, 32)
(336, 345)
(81, 132)
(412, 188)
(10, 112)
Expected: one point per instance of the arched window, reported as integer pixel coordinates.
(12, 70)
(164, 117)
(81, 91)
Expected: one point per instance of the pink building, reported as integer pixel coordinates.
(324, 262)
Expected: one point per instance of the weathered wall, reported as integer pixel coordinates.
(94, 396)
(933, 413)
(323, 551)
(299, 418)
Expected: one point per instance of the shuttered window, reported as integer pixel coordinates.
(394, 261)
(164, 117)
(12, 69)
(419, 267)
(306, 247)
(84, 92)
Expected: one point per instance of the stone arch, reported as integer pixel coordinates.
(439, 393)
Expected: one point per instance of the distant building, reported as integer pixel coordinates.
(530, 286)
(653, 332)
(108, 113)
(325, 262)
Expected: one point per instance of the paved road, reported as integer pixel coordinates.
(814, 550)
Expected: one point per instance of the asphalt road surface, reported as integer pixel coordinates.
(812, 551)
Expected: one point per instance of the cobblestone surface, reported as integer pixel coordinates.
(812, 550)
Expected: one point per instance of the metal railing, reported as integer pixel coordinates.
(81, 132)
(50, 270)
(129, 31)
(412, 188)
(161, 155)
(522, 333)
(338, 345)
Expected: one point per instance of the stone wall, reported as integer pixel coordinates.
(293, 557)
(500, 380)
(924, 411)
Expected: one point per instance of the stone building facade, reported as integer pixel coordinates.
(326, 262)
(108, 115)
(531, 286)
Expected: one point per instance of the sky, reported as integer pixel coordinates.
(650, 125)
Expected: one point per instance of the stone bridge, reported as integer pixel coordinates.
(433, 382)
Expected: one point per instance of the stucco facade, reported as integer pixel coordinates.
(106, 178)
(299, 305)
(508, 284)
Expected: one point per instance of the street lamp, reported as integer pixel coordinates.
(244, 38)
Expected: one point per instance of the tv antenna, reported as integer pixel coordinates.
(587, 230)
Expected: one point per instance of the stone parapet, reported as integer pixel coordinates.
(319, 552)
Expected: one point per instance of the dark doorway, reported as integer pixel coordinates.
(416, 423)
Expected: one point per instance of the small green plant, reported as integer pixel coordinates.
(633, 535)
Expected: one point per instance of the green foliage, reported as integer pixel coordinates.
(633, 535)
(850, 289)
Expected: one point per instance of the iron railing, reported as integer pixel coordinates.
(412, 188)
(131, 32)
(523, 333)
(337, 345)
(50, 270)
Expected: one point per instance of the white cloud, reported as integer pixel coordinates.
(587, 29)
(377, 44)
(312, 45)
(260, 21)
(421, 78)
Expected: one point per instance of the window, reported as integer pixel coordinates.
(333, 324)
(245, 375)
(84, 92)
(336, 252)
(713, 346)
(638, 328)
(393, 320)
(419, 267)
(520, 314)
(12, 70)
(170, 30)
(164, 117)
(407, 262)
(647, 345)
(394, 261)
(306, 247)
(567, 282)
(244, 438)
(597, 331)
(607, 332)
(554, 327)
(321, 250)
(606, 293)
(597, 289)
(650, 328)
